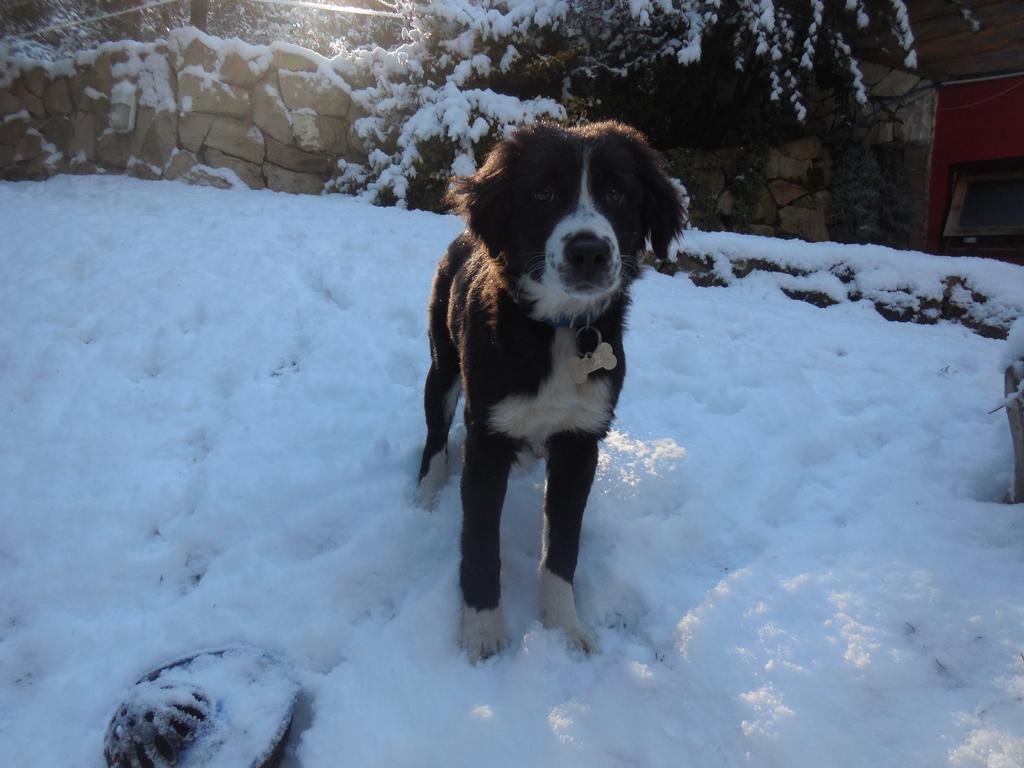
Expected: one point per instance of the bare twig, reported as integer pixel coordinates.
(100, 17)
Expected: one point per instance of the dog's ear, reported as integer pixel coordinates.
(484, 199)
(663, 214)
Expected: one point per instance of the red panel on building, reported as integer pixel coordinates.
(978, 125)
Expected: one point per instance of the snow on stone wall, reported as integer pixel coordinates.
(193, 107)
(984, 295)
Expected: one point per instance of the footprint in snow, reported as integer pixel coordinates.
(330, 289)
(192, 321)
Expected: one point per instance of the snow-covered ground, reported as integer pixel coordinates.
(794, 553)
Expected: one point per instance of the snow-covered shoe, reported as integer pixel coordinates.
(229, 708)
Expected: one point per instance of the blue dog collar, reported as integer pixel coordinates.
(569, 321)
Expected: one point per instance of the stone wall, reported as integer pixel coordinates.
(193, 107)
(902, 139)
(815, 187)
(775, 191)
(219, 112)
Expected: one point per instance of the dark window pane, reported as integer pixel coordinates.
(994, 203)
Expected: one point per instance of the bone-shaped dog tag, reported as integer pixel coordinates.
(602, 357)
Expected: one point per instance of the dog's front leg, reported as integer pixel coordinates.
(572, 460)
(488, 458)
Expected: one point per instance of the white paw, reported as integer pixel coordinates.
(558, 611)
(580, 638)
(482, 633)
(434, 480)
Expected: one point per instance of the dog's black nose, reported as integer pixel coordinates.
(585, 251)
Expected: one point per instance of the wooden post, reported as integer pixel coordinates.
(1015, 413)
(199, 11)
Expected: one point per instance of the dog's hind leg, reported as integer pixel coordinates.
(440, 398)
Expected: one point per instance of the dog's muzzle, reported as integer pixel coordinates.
(588, 266)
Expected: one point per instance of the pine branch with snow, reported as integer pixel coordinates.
(431, 93)
(451, 86)
(789, 38)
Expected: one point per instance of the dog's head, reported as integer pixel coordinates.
(566, 212)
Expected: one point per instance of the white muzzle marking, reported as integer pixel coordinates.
(551, 297)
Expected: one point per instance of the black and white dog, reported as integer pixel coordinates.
(526, 322)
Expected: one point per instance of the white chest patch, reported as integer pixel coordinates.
(560, 405)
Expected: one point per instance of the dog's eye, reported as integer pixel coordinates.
(614, 195)
(543, 195)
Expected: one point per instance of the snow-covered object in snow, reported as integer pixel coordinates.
(1013, 365)
(1013, 352)
(224, 708)
(157, 724)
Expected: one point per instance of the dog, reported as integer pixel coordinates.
(526, 318)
